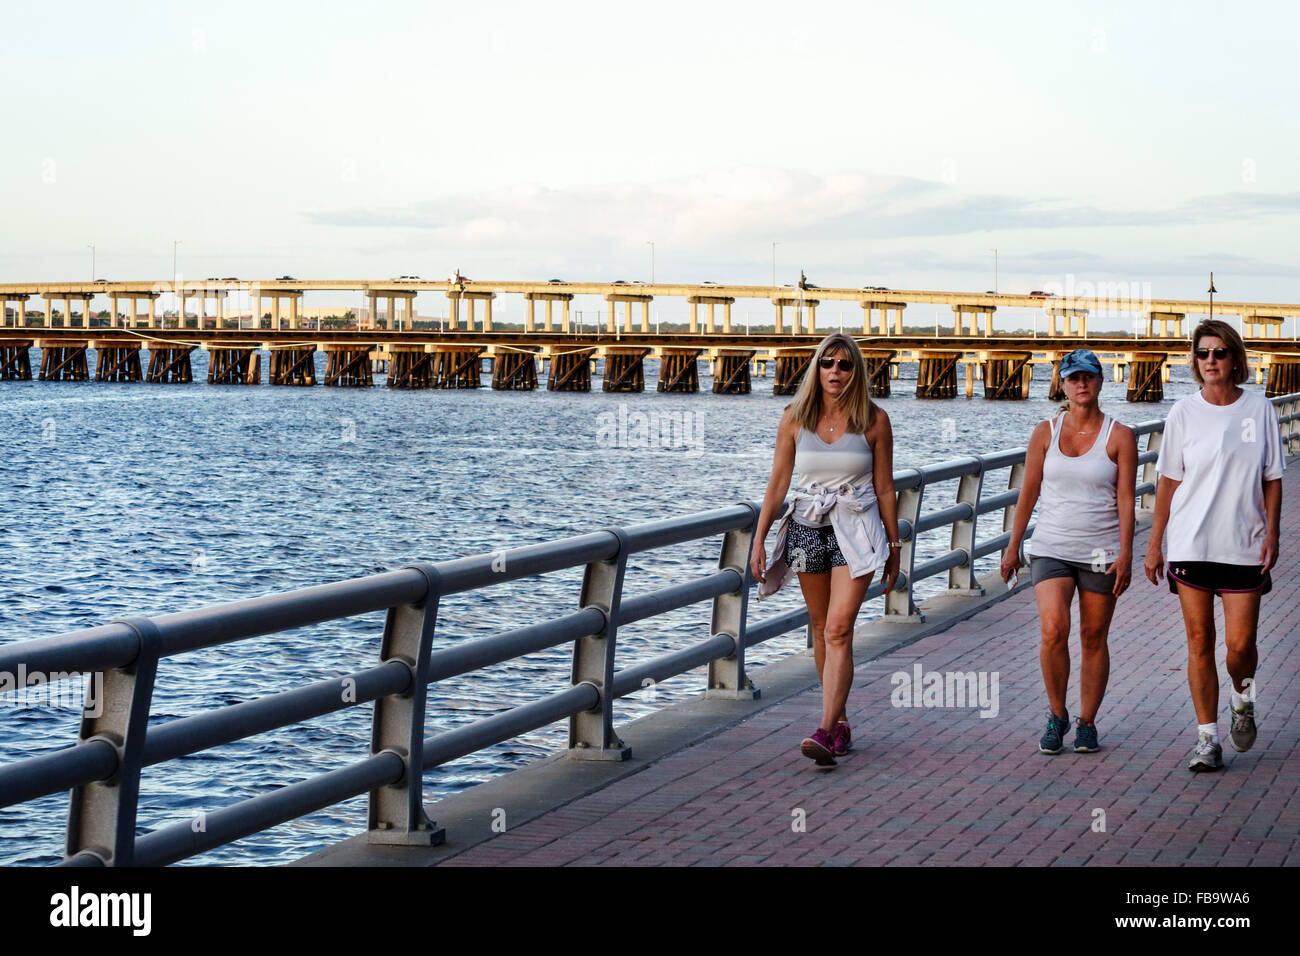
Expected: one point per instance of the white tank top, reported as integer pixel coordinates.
(1078, 516)
(847, 460)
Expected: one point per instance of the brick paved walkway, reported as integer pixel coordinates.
(938, 786)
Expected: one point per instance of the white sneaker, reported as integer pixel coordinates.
(1207, 756)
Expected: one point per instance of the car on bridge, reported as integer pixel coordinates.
(556, 282)
(286, 279)
(1040, 294)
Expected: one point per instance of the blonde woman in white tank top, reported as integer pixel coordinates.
(1084, 466)
(841, 526)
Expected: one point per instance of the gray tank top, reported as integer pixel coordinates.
(847, 460)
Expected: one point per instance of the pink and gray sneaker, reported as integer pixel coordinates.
(819, 748)
(841, 739)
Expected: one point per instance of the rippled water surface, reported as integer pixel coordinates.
(129, 499)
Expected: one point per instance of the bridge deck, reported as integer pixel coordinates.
(941, 786)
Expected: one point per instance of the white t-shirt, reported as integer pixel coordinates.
(1221, 455)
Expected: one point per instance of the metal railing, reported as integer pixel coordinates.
(103, 768)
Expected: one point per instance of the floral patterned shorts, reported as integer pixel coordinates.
(812, 550)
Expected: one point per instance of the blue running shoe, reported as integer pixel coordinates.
(1085, 737)
(1053, 739)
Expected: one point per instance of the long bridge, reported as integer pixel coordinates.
(717, 779)
(450, 353)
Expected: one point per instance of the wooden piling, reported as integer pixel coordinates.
(457, 366)
(570, 371)
(169, 364)
(117, 361)
(64, 362)
(514, 371)
(936, 375)
(409, 368)
(679, 371)
(625, 370)
(791, 364)
(1055, 391)
(296, 366)
(1007, 375)
(879, 364)
(15, 362)
(732, 375)
(1283, 376)
(234, 366)
(1145, 381)
(348, 366)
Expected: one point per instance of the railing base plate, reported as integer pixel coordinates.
(434, 836)
(621, 752)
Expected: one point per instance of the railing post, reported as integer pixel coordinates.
(1154, 440)
(727, 678)
(102, 814)
(1015, 482)
(969, 489)
(591, 734)
(898, 602)
(396, 812)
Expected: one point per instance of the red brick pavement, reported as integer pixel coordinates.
(940, 786)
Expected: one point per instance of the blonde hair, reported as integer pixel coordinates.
(809, 403)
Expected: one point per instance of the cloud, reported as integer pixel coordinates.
(749, 203)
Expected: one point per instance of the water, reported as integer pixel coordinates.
(128, 499)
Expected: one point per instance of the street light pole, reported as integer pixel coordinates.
(92, 261)
(180, 319)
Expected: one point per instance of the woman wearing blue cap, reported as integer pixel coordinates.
(1220, 494)
(1083, 464)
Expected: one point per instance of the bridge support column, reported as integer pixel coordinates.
(15, 361)
(732, 374)
(609, 318)
(879, 366)
(167, 364)
(293, 366)
(119, 361)
(240, 365)
(457, 366)
(936, 375)
(812, 318)
(778, 319)
(530, 315)
(514, 371)
(1283, 376)
(571, 371)
(679, 370)
(62, 361)
(1271, 326)
(791, 366)
(1165, 319)
(409, 366)
(625, 370)
(49, 311)
(1145, 378)
(695, 315)
(1007, 375)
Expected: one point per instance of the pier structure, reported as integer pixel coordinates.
(638, 792)
(973, 350)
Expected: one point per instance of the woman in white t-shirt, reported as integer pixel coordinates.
(1220, 494)
(1083, 464)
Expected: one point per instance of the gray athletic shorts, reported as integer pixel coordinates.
(1081, 572)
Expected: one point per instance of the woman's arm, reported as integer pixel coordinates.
(1154, 565)
(1273, 510)
(777, 485)
(882, 478)
(1125, 493)
(1029, 488)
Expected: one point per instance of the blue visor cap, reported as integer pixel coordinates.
(1080, 360)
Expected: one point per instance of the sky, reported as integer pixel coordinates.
(894, 144)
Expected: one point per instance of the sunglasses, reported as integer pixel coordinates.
(1205, 353)
(846, 365)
